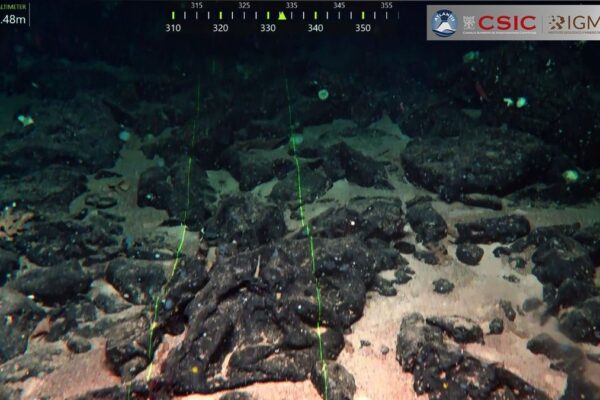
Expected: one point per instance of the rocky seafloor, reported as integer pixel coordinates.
(454, 256)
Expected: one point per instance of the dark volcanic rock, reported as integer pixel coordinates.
(384, 287)
(339, 384)
(128, 344)
(246, 220)
(138, 281)
(501, 251)
(33, 363)
(589, 237)
(488, 163)
(571, 292)
(237, 395)
(496, 326)
(542, 235)
(10, 393)
(193, 196)
(461, 329)
(268, 132)
(52, 139)
(508, 309)
(23, 315)
(170, 190)
(427, 223)
(151, 248)
(54, 242)
(577, 120)
(314, 185)
(404, 247)
(68, 317)
(483, 201)
(571, 359)
(56, 284)
(469, 254)
(8, 263)
(445, 371)
(381, 220)
(52, 188)
(531, 304)
(443, 286)
(594, 357)
(78, 345)
(403, 274)
(413, 336)
(251, 168)
(189, 277)
(549, 292)
(100, 202)
(578, 387)
(511, 278)
(502, 229)
(582, 323)
(517, 262)
(341, 161)
(558, 191)
(428, 257)
(259, 306)
(110, 303)
(386, 220)
(154, 188)
(338, 222)
(561, 258)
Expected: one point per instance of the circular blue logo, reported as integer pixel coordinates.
(443, 23)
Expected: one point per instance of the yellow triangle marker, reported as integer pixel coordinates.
(281, 16)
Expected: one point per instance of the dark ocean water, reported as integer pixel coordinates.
(198, 213)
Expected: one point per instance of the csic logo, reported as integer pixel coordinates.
(443, 23)
(469, 22)
(507, 22)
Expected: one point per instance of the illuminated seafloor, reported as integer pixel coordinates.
(418, 223)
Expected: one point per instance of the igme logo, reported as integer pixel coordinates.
(574, 23)
(556, 22)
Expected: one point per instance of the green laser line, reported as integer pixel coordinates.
(179, 251)
(311, 245)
